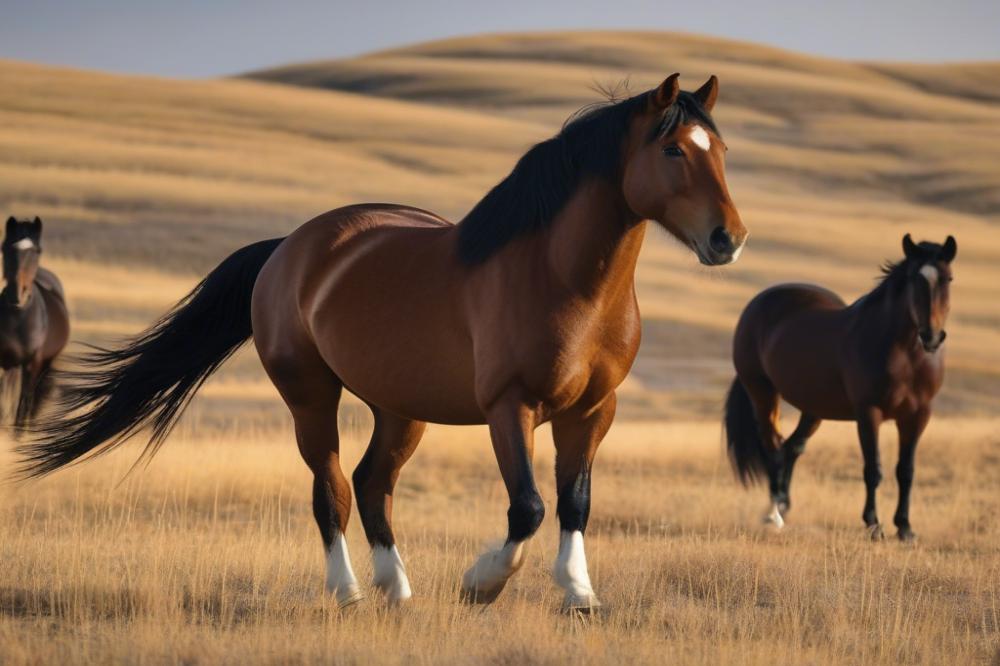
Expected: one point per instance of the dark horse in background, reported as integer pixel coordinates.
(523, 313)
(34, 322)
(875, 360)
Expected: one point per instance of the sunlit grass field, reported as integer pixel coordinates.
(210, 554)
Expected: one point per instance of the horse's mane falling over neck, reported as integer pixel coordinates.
(543, 180)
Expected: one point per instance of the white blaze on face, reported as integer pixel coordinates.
(700, 138)
(390, 575)
(340, 579)
(930, 274)
(24, 244)
(570, 570)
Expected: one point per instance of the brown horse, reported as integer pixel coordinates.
(34, 322)
(874, 360)
(525, 312)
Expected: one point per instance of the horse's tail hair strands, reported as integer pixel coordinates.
(114, 393)
(743, 443)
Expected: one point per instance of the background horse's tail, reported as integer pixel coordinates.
(115, 393)
(743, 442)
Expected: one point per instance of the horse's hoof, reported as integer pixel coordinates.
(773, 517)
(906, 535)
(350, 599)
(581, 605)
(479, 595)
(876, 532)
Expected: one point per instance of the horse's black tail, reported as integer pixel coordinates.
(743, 442)
(115, 393)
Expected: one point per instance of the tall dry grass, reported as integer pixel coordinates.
(211, 556)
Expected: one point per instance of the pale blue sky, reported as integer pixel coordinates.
(206, 38)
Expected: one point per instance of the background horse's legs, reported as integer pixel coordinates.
(910, 429)
(393, 442)
(30, 374)
(577, 436)
(868, 424)
(512, 425)
(791, 450)
(766, 404)
(42, 389)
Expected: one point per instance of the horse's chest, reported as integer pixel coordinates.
(583, 362)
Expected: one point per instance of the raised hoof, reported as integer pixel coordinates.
(582, 605)
(875, 532)
(477, 595)
(350, 599)
(906, 535)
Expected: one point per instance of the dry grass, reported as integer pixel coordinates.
(211, 556)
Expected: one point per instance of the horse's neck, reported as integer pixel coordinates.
(887, 317)
(594, 241)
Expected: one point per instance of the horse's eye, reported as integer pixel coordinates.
(673, 150)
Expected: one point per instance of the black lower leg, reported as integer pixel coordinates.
(574, 503)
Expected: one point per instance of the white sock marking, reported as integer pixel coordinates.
(24, 244)
(700, 138)
(571, 572)
(340, 578)
(390, 574)
(494, 567)
(930, 274)
(774, 516)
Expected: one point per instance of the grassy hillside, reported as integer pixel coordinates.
(830, 163)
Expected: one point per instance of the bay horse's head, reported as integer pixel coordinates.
(928, 272)
(22, 245)
(674, 172)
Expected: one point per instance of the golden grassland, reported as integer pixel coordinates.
(211, 556)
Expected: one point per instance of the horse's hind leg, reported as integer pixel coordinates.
(791, 450)
(312, 393)
(393, 442)
(766, 405)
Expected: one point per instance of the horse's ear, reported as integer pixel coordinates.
(11, 224)
(910, 250)
(666, 93)
(708, 93)
(36, 227)
(949, 250)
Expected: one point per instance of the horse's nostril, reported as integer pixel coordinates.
(721, 240)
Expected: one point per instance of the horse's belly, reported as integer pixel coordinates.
(804, 368)
(387, 321)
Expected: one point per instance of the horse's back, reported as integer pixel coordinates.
(791, 335)
(376, 291)
(49, 283)
(54, 296)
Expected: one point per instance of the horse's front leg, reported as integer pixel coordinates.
(868, 423)
(910, 429)
(577, 435)
(512, 423)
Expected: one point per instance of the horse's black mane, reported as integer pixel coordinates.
(895, 273)
(589, 145)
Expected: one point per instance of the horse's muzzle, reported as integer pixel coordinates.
(931, 341)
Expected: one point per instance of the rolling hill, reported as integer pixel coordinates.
(145, 183)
